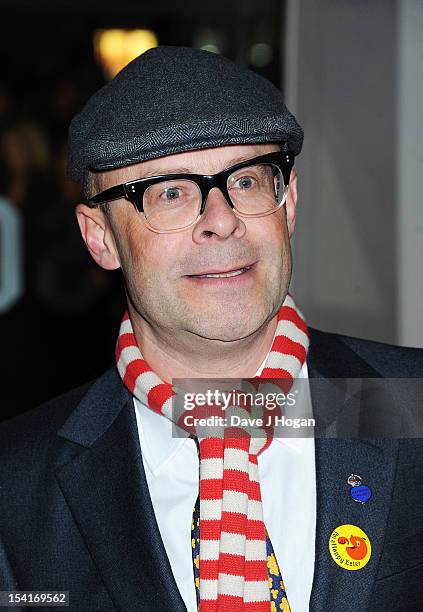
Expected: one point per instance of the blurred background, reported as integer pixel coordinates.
(352, 73)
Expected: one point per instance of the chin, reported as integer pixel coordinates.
(230, 330)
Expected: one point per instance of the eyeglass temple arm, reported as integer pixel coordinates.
(114, 193)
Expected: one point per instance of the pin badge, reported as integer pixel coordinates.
(350, 547)
(354, 480)
(359, 492)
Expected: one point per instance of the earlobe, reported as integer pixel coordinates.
(291, 202)
(96, 235)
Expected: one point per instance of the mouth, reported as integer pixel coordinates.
(223, 274)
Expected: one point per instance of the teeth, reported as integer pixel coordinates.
(226, 274)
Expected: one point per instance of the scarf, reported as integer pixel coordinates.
(233, 565)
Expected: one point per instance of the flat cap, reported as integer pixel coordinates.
(173, 99)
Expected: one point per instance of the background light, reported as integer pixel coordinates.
(260, 54)
(210, 47)
(209, 39)
(115, 48)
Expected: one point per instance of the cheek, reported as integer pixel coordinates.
(272, 233)
(149, 256)
(276, 249)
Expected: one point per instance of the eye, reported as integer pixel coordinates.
(172, 193)
(244, 182)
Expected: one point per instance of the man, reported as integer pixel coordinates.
(187, 162)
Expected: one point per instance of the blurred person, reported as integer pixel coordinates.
(11, 303)
(61, 282)
(187, 166)
(67, 290)
(26, 153)
(67, 95)
(25, 150)
(69, 281)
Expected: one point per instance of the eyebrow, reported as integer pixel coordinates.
(184, 170)
(160, 171)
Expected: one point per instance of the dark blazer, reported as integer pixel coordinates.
(76, 514)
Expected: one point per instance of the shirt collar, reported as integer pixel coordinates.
(159, 443)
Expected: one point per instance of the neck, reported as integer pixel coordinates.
(190, 356)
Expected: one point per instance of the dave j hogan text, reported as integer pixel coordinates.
(235, 420)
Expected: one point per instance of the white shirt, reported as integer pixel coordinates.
(288, 489)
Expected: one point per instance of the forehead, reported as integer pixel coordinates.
(204, 161)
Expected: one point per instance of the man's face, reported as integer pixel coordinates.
(164, 273)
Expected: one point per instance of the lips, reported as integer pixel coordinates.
(222, 274)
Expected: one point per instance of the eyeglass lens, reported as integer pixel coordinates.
(175, 204)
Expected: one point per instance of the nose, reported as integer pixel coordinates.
(218, 219)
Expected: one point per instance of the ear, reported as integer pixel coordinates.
(97, 235)
(291, 202)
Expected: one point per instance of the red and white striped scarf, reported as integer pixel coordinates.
(233, 563)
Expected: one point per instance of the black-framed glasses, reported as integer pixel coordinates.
(173, 202)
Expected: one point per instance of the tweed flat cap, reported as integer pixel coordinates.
(174, 99)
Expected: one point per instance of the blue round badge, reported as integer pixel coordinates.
(361, 493)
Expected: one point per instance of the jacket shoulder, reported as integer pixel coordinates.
(390, 360)
(21, 435)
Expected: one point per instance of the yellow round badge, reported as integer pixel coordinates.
(350, 547)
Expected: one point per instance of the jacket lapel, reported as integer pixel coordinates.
(102, 478)
(374, 460)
